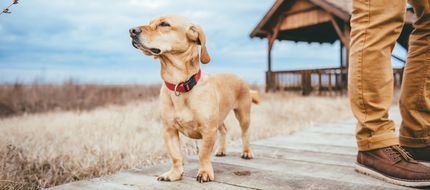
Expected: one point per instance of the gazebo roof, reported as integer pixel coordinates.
(344, 5)
(310, 20)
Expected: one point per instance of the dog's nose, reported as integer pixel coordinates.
(135, 31)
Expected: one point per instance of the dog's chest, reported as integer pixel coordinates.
(186, 124)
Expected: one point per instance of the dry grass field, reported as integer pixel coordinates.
(17, 99)
(45, 149)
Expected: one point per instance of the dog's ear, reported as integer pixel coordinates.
(196, 34)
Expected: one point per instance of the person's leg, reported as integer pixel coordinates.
(375, 27)
(415, 93)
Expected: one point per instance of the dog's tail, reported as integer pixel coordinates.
(255, 96)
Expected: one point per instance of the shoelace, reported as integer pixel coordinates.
(396, 153)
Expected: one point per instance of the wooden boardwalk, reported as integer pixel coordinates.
(318, 157)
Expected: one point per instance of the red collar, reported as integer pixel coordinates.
(185, 86)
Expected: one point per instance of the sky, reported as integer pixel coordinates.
(87, 41)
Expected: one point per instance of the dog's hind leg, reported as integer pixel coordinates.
(242, 113)
(221, 141)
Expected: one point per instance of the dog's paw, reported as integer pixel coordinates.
(220, 154)
(247, 155)
(204, 176)
(170, 176)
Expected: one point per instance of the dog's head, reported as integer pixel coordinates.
(169, 34)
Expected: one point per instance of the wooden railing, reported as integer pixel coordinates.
(327, 81)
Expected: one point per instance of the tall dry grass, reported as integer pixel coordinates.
(17, 99)
(47, 149)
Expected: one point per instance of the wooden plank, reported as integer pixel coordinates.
(300, 6)
(146, 179)
(283, 143)
(262, 151)
(304, 19)
(268, 179)
(320, 157)
(278, 173)
(341, 174)
(310, 70)
(331, 130)
(94, 184)
(319, 138)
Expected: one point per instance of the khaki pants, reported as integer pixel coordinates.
(375, 27)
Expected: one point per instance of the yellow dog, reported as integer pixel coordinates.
(192, 103)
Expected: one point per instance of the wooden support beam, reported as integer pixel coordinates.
(344, 71)
(269, 64)
(269, 86)
(346, 33)
(306, 83)
(339, 32)
(341, 55)
(329, 83)
(271, 40)
(319, 83)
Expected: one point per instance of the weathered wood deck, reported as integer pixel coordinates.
(318, 157)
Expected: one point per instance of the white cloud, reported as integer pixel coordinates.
(93, 35)
(151, 4)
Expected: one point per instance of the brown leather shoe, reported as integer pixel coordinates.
(394, 165)
(420, 154)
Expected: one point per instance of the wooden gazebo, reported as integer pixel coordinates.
(321, 21)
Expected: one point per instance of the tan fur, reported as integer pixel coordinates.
(200, 113)
(255, 97)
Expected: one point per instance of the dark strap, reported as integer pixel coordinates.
(185, 86)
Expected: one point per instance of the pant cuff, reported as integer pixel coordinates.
(378, 141)
(414, 142)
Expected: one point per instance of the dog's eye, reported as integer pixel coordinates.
(164, 24)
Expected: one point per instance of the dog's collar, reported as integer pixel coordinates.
(185, 86)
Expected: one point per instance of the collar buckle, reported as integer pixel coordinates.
(175, 90)
(185, 86)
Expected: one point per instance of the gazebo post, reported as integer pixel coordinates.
(346, 32)
(343, 35)
(269, 64)
(343, 75)
(271, 39)
(341, 54)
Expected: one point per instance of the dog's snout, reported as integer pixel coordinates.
(135, 31)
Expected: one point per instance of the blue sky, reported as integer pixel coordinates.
(53, 41)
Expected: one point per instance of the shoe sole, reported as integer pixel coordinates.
(424, 163)
(372, 173)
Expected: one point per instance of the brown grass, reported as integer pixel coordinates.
(47, 149)
(17, 99)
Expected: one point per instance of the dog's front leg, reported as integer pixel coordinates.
(171, 140)
(206, 172)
